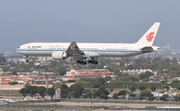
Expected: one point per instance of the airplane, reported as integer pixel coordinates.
(90, 52)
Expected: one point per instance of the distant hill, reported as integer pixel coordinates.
(13, 34)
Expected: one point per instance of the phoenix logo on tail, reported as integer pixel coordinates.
(150, 36)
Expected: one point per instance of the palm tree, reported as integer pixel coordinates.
(111, 90)
(46, 76)
(57, 87)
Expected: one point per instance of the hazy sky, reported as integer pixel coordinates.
(101, 13)
(23, 21)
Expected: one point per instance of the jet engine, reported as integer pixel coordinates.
(59, 55)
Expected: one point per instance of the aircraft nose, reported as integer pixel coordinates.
(18, 48)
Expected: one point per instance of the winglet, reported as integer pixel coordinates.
(148, 38)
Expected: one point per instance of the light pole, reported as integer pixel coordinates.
(123, 85)
(92, 96)
(149, 86)
(92, 90)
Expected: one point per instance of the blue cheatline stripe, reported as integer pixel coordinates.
(82, 50)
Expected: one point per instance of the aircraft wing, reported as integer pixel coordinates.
(73, 51)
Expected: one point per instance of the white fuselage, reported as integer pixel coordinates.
(101, 49)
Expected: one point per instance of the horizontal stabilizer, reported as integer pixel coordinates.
(147, 49)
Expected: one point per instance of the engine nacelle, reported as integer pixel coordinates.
(59, 55)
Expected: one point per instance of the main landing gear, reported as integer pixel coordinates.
(81, 62)
(92, 61)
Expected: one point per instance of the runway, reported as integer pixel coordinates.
(117, 104)
(89, 106)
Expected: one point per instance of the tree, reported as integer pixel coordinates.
(151, 97)
(51, 92)
(23, 91)
(153, 88)
(132, 78)
(99, 82)
(108, 78)
(96, 84)
(59, 70)
(145, 93)
(13, 83)
(115, 95)
(145, 76)
(76, 94)
(102, 93)
(71, 81)
(69, 94)
(14, 73)
(28, 88)
(175, 82)
(178, 87)
(41, 91)
(167, 87)
(118, 73)
(142, 88)
(132, 88)
(87, 93)
(176, 97)
(32, 91)
(64, 91)
(122, 93)
(164, 97)
(77, 90)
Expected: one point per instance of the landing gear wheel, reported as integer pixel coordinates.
(92, 62)
(81, 62)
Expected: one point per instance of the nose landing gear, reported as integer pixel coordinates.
(27, 60)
